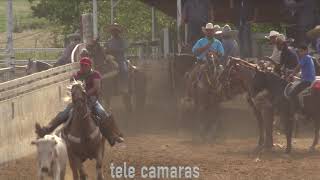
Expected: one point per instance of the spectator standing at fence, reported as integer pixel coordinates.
(230, 45)
(65, 58)
(196, 13)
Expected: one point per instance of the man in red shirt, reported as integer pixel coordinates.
(92, 80)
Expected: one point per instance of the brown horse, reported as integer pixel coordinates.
(82, 135)
(107, 65)
(203, 95)
(239, 76)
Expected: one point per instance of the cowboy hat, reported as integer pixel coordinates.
(227, 31)
(115, 26)
(272, 34)
(314, 33)
(281, 37)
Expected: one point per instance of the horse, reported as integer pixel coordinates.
(107, 65)
(203, 94)
(37, 66)
(237, 79)
(277, 87)
(81, 133)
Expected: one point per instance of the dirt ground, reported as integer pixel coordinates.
(158, 143)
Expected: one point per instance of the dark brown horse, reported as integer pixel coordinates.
(276, 86)
(203, 95)
(107, 65)
(81, 133)
(238, 78)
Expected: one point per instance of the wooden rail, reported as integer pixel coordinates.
(31, 82)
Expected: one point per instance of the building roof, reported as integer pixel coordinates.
(271, 11)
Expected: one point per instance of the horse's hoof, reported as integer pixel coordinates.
(100, 177)
(84, 177)
(312, 149)
(288, 150)
(258, 149)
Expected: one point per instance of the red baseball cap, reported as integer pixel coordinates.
(86, 61)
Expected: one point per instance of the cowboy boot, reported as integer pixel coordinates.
(110, 131)
(53, 124)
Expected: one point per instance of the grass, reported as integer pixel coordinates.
(21, 11)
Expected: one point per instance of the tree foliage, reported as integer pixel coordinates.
(134, 15)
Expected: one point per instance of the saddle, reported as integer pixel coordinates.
(66, 125)
(313, 88)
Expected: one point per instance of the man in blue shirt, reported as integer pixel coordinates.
(306, 66)
(208, 45)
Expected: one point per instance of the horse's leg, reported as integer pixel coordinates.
(269, 118)
(259, 119)
(73, 165)
(285, 117)
(316, 135)
(83, 174)
(99, 160)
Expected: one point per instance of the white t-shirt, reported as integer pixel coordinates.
(275, 54)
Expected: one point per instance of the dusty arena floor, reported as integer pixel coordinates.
(230, 157)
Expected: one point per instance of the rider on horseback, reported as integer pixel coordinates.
(92, 81)
(208, 45)
(308, 74)
(117, 46)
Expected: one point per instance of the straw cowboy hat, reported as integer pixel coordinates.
(272, 34)
(281, 37)
(227, 31)
(314, 33)
(115, 26)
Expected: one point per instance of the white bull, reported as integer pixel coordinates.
(52, 157)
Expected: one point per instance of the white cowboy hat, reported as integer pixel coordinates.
(272, 34)
(314, 33)
(227, 31)
(281, 37)
(209, 26)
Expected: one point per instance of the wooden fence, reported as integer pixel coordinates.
(24, 101)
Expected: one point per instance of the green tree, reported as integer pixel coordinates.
(134, 15)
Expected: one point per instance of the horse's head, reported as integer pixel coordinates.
(230, 78)
(78, 92)
(31, 67)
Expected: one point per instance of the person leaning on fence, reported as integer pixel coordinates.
(208, 44)
(92, 80)
(230, 45)
(66, 56)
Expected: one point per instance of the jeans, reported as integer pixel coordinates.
(299, 88)
(94, 104)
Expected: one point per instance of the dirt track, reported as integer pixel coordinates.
(230, 157)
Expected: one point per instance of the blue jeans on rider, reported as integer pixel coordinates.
(295, 92)
(299, 88)
(94, 105)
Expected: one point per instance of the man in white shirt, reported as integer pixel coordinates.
(275, 53)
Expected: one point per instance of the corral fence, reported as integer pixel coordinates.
(24, 101)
